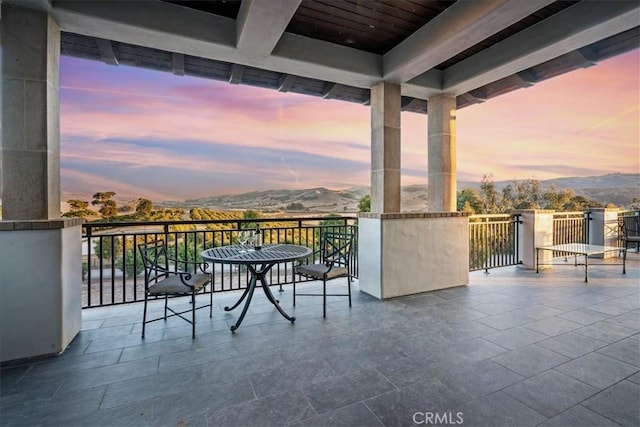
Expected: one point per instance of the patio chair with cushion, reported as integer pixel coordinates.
(334, 259)
(167, 277)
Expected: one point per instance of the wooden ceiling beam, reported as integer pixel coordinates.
(177, 64)
(107, 54)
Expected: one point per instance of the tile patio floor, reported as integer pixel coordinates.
(511, 349)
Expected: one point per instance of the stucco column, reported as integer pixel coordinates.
(385, 148)
(30, 115)
(535, 229)
(441, 137)
(603, 229)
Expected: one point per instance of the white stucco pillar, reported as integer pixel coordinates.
(30, 115)
(603, 228)
(441, 137)
(385, 148)
(535, 229)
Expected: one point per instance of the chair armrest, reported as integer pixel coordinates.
(202, 265)
(305, 260)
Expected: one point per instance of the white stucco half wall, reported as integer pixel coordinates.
(404, 254)
(40, 289)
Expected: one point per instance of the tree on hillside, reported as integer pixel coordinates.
(558, 199)
(144, 207)
(364, 205)
(525, 194)
(468, 200)
(79, 209)
(489, 195)
(250, 214)
(108, 209)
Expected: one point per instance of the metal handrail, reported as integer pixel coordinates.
(493, 241)
(113, 266)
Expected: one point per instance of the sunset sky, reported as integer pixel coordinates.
(149, 134)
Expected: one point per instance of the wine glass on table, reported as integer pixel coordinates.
(243, 237)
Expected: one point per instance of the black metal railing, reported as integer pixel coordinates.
(493, 241)
(571, 227)
(113, 270)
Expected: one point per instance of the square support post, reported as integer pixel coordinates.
(40, 262)
(30, 114)
(441, 138)
(385, 148)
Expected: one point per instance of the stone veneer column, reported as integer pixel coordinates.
(441, 137)
(30, 115)
(385, 148)
(40, 268)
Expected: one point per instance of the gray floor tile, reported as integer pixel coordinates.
(142, 388)
(333, 394)
(584, 316)
(579, 416)
(402, 372)
(597, 370)
(627, 350)
(472, 350)
(136, 414)
(476, 379)
(56, 366)
(551, 392)
(506, 320)
(356, 415)
(46, 411)
(277, 410)
(635, 378)
(515, 338)
(398, 407)
(612, 308)
(293, 376)
(494, 307)
(629, 320)
(498, 410)
(552, 326)
(632, 302)
(619, 403)
(540, 311)
(146, 349)
(607, 332)
(530, 361)
(572, 345)
(110, 374)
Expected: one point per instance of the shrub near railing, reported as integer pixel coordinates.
(493, 241)
(114, 268)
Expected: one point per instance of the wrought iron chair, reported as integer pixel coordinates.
(630, 235)
(160, 281)
(334, 261)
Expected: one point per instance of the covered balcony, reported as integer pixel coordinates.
(509, 348)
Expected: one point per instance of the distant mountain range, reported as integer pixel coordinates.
(619, 189)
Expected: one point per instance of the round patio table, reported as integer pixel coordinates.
(259, 262)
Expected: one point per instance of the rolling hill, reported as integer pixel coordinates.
(619, 189)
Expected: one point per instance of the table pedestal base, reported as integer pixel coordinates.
(257, 274)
